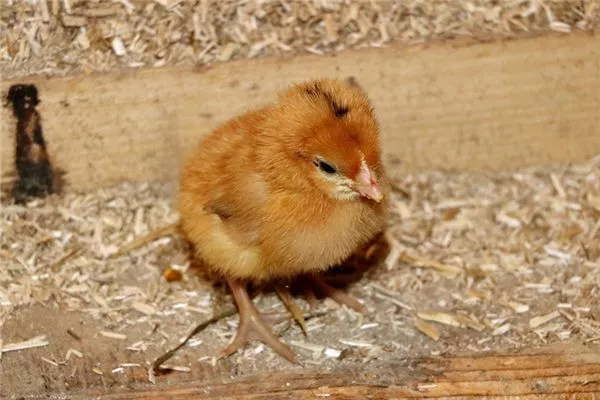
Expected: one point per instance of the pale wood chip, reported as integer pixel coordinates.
(175, 368)
(70, 21)
(74, 352)
(592, 339)
(38, 341)
(118, 46)
(332, 353)
(46, 360)
(419, 261)
(543, 319)
(560, 27)
(440, 317)
(509, 221)
(593, 201)
(227, 52)
(560, 191)
(43, 4)
(456, 320)
(393, 300)
(144, 308)
(113, 335)
(501, 330)
(428, 329)
(469, 322)
(355, 343)
(315, 348)
(518, 307)
(331, 28)
(102, 11)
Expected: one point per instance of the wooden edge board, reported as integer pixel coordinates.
(449, 106)
(565, 370)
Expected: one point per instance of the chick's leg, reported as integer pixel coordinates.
(310, 298)
(288, 301)
(251, 321)
(337, 294)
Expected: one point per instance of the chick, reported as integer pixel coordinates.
(284, 192)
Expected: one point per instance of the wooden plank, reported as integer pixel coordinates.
(546, 373)
(449, 106)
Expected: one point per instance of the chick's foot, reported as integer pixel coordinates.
(251, 322)
(340, 296)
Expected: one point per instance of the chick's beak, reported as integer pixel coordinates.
(366, 184)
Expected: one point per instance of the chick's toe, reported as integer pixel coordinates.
(251, 322)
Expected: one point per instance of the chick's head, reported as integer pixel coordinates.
(330, 136)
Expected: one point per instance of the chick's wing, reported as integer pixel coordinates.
(239, 204)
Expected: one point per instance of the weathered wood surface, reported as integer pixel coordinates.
(450, 106)
(564, 372)
(559, 371)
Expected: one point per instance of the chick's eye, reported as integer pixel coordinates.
(323, 166)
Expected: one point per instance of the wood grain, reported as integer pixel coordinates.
(544, 374)
(449, 106)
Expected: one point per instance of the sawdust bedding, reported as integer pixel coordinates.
(58, 37)
(476, 262)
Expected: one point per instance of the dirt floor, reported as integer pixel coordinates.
(508, 260)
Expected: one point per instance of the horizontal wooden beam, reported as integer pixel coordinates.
(449, 106)
(548, 373)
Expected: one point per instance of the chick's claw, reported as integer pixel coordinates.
(252, 322)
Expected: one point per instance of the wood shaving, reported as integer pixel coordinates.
(451, 320)
(501, 330)
(113, 335)
(38, 341)
(118, 46)
(54, 363)
(469, 322)
(393, 300)
(144, 308)
(442, 318)
(355, 343)
(428, 329)
(543, 319)
(308, 346)
(332, 353)
(175, 368)
(419, 261)
(74, 352)
(518, 307)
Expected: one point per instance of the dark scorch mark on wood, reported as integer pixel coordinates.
(35, 175)
(338, 109)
